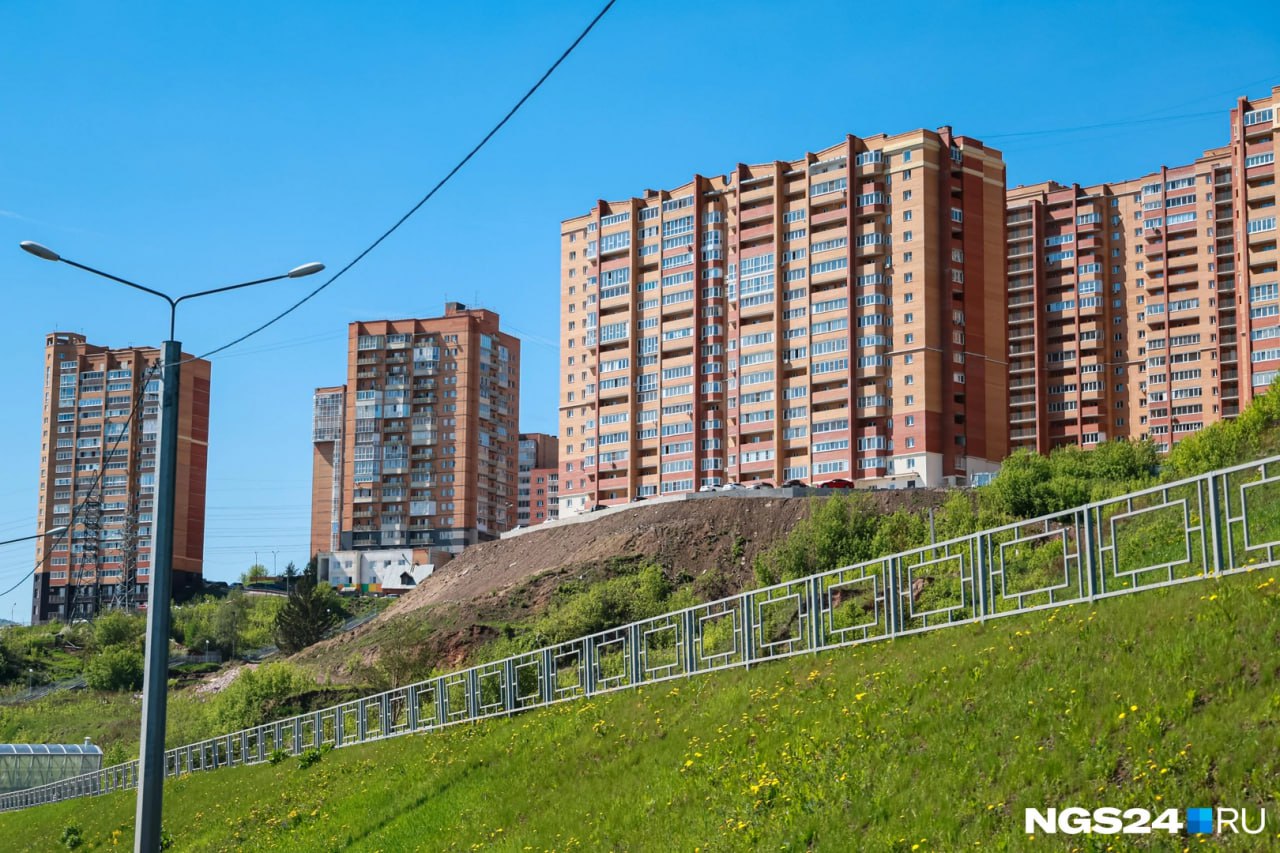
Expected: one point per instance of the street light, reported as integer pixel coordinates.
(54, 531)
(155, 674)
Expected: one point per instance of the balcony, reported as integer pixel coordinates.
(755, 214)
(841, 214)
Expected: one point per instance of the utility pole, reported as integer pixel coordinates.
(155, 680)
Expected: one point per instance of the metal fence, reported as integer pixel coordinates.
(1203, 527)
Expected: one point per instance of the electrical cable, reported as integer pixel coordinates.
(77, 511)
(439, 185)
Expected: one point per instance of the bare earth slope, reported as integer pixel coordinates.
(513, 578)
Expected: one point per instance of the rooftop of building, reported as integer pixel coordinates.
(747, 172)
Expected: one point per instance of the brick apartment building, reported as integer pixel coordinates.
(104, 562)
(538, 495)
(418, 449)
(1146, 308)
(837, 316)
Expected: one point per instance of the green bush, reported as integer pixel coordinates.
(308, 757)
(1251, 435)
(71, 838)
(115, 668)
(262, 694)
(610, 603)
(118, 629)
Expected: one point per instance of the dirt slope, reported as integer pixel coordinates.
(494, 581)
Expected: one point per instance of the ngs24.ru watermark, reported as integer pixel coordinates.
(1201, 820)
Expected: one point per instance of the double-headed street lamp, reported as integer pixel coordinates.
(156, 673)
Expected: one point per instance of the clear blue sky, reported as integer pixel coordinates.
(191, 145)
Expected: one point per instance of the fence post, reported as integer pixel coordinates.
(982, 556)
(588, 659)
(473, 694)
(690, 649)
(891, 595)
(509, 688)
(748, 629)
(814, 606)
(633, 654)
(442, 702)
(411, 712)
(1216, 526)
(548, 676)
(1087, 551)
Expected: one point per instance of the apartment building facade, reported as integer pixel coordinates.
(328, 420)
(1145, 308)
(99, 464)
(421, 452)
(837, 316)
(539, 479)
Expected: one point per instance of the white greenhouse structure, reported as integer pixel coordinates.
(29, 765)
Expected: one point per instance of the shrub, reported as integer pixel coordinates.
(259, 695)
(118, 629)
(308, 757)
(115, 668)
(70, 837)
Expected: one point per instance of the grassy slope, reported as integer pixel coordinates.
(1160, 699)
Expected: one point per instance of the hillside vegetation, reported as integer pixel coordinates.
(933, 742)
(558, 584)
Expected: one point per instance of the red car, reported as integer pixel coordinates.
(838, 483)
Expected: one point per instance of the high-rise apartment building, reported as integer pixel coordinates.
(539, 479)
(1149, 307)
(94, 458)
(328, 418)
(837, 316)
(418, 449)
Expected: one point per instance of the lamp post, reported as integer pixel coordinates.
(156, 675)
(53, 531)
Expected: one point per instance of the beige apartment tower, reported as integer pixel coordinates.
(1146, 308)
(98, 462)
(418, 449)
(840, 316)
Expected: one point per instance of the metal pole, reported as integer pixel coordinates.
(155, 680)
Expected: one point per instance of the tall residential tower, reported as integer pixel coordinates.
(100, 464)
(1150, 307)
(837, 316)
(418, 449)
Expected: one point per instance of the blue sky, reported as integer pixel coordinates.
(191, 145)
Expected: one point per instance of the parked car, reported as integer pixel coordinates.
(597, 508)
(729, 487)
(837, 483)
(762, 484)
(795, 484)
(637, 499)
(708, 488)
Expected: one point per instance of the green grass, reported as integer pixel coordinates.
(1160, 699)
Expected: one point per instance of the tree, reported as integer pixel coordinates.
(118, 629)
(307, 615)
(116, 668)
(229, 620)
(256, 572)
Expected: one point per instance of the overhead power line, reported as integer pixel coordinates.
(439, 185)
